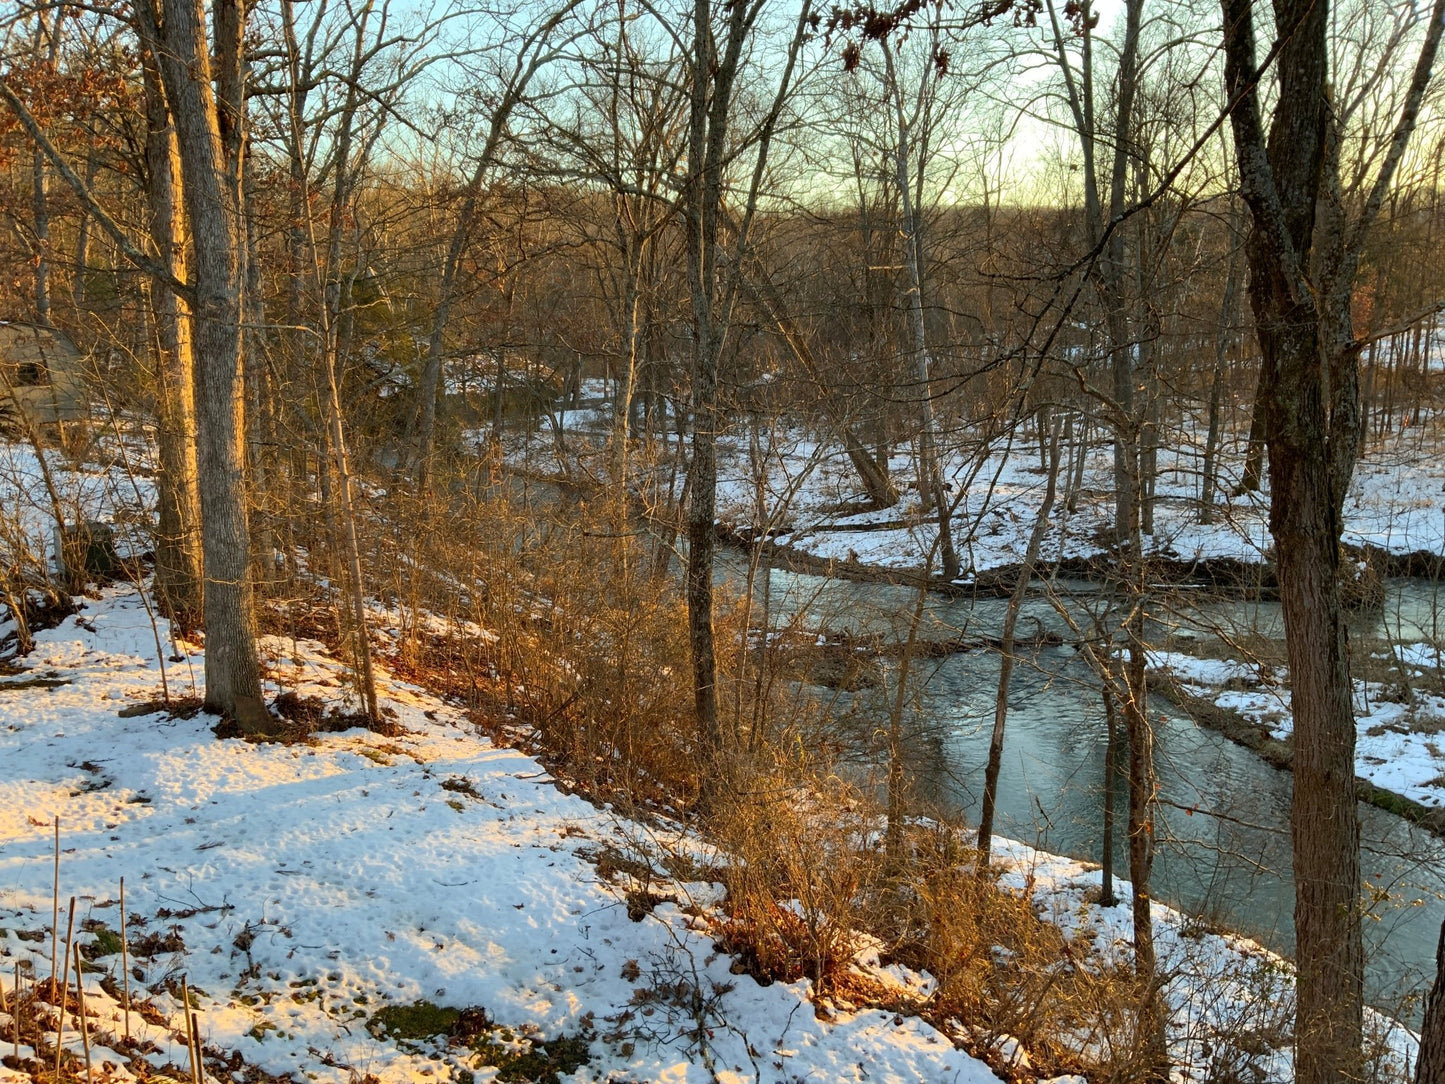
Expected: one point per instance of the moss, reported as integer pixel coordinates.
(460, 784)
(517, 1061)
(422, 1020)
(545, 1063)
(107, 943)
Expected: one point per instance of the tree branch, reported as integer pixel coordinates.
(145, 263)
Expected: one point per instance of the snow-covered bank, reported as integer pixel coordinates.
(1400, 729)
(301, 888)
(808, 499)
(1395, 504)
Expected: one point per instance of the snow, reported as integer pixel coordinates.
(313, 883)
(1400, 730)
(1395, 503)
(360, 870)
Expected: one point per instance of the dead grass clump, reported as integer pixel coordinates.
(568, 642)
(1006, 980)
(803, 880)
(311, 714)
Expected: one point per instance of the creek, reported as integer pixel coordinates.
(1223, 849)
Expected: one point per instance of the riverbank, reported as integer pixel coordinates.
(1400, 741)
(428, 904)
(808, 505)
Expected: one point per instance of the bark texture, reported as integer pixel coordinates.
(1430, 1066)
(1302, 267)
(210, 182)
(178, 541)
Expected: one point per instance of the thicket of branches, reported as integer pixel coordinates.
(338, 258)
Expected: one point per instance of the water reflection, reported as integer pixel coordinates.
(1224, 847)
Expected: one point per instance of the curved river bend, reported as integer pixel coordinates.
(1228, 861)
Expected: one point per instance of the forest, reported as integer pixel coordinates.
(695, 541)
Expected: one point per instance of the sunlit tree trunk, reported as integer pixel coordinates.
(210, 183)
(46, 49)
(178, 542)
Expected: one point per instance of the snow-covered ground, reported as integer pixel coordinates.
(301, 888)
(1396, 502)
(1400, 730)
(310, 885)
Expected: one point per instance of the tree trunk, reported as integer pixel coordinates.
(713, 78)
(1324, 816)
(707, 124)
(82, 236)
(1107, 898)
(1228, 317)
(1430, 1063)
(48, 39)
(1255, 444)
(1006, 647)
(930, 477)
(233, 683)
(1111, 268)
(1137, 729)
(1302, 268)
(178, 572)
(40, 220)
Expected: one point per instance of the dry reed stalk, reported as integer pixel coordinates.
(15, 1019)
(80, 1011)
(124, 963)
(55, 912)
(190, 1031)
(64, 986)
(196, 1038)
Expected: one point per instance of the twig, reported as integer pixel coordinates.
(80, 1011)
(55, 911)
(190, 1033)
(64, 986)
(195, 1025)
(124, 963)
(16, 1016)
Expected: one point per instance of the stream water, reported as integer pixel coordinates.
(1229, 859)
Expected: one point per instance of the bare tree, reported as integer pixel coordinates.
(179, 586)
(1303, 258)
(204, 90)
(715, 61)
(1007, 647)
(540, 46)
(930, 477)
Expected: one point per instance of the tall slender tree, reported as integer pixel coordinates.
(1302, 259)
(715, 62)
(179, 585)
(203, 82)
